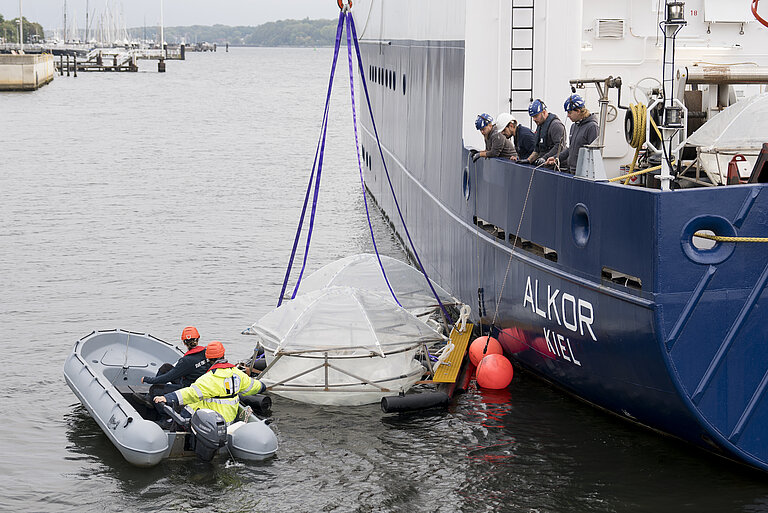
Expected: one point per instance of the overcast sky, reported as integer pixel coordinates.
(50, 13)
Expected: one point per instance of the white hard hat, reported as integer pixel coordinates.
(503, 119)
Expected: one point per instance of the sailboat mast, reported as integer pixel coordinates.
(162, 36)
(21, 29)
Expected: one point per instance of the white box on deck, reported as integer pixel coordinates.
(724, 11)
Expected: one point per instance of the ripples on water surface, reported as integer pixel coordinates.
(152, 201)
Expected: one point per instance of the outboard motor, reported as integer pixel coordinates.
(210, 430)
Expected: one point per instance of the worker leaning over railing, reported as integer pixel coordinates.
(584, 131)
(496, 145)
(550, 133)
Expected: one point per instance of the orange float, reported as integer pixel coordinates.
(483, 346)
(494, 372)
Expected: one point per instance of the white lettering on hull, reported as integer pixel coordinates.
(560, 346)
(574, 314)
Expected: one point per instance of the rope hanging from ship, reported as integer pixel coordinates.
(351, 36)
(514, 243)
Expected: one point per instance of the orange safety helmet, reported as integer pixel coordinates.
(189, 332)
(214, 350)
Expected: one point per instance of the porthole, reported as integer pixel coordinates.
(580, 225)
(466, 185)
(703, 252)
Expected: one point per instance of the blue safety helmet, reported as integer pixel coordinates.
(536, 107)
(574, 101)
(483, 120)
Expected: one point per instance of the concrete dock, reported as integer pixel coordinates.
(25, 72)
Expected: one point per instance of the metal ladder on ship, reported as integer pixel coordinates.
(521, 55)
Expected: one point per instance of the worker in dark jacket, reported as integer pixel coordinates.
(217, 390)
(550, 133)
(524, 138)
(188, 368)
(496, 145)
(584, 131)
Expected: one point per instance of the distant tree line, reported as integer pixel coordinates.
(304, 32)
(9, 30)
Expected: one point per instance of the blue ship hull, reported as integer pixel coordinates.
(614, 301)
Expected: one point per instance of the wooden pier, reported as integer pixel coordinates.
(116, 60)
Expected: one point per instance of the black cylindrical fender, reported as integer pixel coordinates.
(259, 403)
(414, 402)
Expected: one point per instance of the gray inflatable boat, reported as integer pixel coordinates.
(105, 370)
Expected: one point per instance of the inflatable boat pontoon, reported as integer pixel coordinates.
(105, 370)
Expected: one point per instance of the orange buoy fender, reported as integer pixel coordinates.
(483, 346)
(494, 372)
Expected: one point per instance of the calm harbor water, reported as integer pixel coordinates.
(153, 201)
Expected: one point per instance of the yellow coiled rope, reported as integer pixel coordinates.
(639, 114)
(722, 238)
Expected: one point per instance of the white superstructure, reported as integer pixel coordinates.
(516, 50)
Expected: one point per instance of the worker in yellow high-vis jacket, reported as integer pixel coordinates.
(217, 389)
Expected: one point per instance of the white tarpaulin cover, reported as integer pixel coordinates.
(362, 334)
(344, 321)
(363, 272)
(742, 126)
